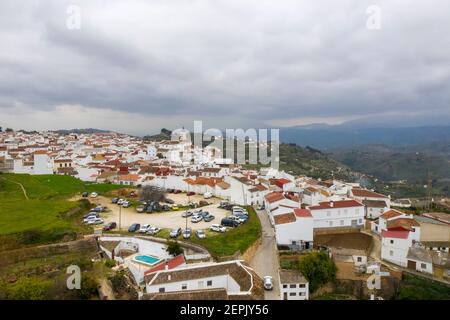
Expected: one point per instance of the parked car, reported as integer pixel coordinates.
(92, 213)
(99, 208)
(203, 203)
(141, 208)
(95, 221)
(208, 218)
(94, 195)
(196, 218)
(268, 283)
(187, 233)
(90, 218)
(153, 231)
(109, 226)
(186, 214)
(120, 201)
(165, 207)
(260, 207)
(177, 191)
(170, 190)
(207, 195)
(190, 193)
(114, 200)
(200, 234)
(174, 233)
(237, 219)
(242, 217)
(217, 228)
(126, 204)
(148, 209)
(85, 194)
(134, 227)
(229, 223)
(223, 204)
(144, 228)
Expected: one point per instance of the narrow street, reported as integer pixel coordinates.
(265, 261)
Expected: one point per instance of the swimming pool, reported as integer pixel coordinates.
(147, 259)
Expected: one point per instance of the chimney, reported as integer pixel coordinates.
(331, 203)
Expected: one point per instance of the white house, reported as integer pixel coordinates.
(233, 277)
(294, 229)
(364, 194)
(293, 285)
(395, 245)
(335, 214)
(375, 208)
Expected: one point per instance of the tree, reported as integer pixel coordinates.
(174, 248)
(152, 193)
(318, 268)
(159, 155)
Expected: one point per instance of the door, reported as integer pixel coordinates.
(411, 265)
(354, 223)
(285, 296)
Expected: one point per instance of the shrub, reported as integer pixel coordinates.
(88, 287)
(318, 268)
(174, 248)
(110, 263)
(27, 288)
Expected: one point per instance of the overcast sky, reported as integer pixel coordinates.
(136, 66)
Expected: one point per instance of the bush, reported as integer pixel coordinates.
(110, 263)
(118, 280)
(318, 268)
(174, 248)
(88, 287)
(27, 288)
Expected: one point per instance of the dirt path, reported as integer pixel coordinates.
(21, 186)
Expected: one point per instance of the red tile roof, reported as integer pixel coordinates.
(171, 264)
(274, 196)
(281, 182)
(303, 213)
(357, 192)
(284, 218)
(336, 204)
(391, 214)
(395, 234)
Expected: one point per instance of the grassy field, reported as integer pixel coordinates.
(46, 207)
(240, 238)
(417, 288)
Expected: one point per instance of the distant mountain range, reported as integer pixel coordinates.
(80, 131)
(327, 137)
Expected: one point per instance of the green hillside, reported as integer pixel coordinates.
(43, 212)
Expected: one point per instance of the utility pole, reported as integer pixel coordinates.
(120, 218)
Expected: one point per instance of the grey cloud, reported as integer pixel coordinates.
(254, 61)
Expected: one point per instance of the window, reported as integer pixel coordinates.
(360, 221)
(302, 293)
(392, 241)
(162, 289)
(183, 286)
(209, 283)
(359, 259)
(292, 294)
(342, 222)
(391, 253)
(292, 286)
(284, 286)
(301, 285)
(423, 265)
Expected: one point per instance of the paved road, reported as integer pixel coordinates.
(265, 262)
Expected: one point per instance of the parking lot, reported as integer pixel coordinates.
(163, 220)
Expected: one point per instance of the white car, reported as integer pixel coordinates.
(196, 218)
(153, 230)
(126, 204)
(237, 219)
(217, 228)
(89, 218)
(95, 221)
(94, 195)
(268, 283)
(200, 234)
(120, 201)
(207, 195)
(145, 228)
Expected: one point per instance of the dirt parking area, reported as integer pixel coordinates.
(163, 220)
